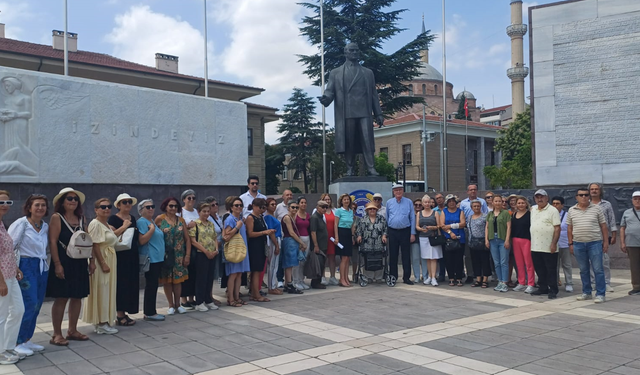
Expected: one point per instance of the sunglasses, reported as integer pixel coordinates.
(191, 198)
(294, 207)
(214, 204)
(6, 203)
(377, 199)
(583, 195)
(71, 199)
(150, 207)
(238, 205)
(488, 197)
(126, 201)
(172, 205)
(106, 206)
(417, 205)
(253, 183)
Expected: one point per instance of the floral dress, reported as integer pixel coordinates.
(174, 238)
(372, 233)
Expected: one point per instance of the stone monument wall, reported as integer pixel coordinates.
(584, 88)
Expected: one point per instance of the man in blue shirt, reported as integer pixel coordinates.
(401, 222)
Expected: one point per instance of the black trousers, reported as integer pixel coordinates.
(189, 285)
(455, 263)
(546, 266)
(400, 241)
(481, 260)
(151, 288)
(204, 278)
(321, 260)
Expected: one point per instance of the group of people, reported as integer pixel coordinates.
(189, 246)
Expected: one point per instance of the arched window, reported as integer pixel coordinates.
(435, 87)
(424, 89)
(410, 90)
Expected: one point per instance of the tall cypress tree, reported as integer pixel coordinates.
(460, 115)
(369, 24)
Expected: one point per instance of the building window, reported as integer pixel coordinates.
(493, 158)
(424, 89)
(435, 88)
(406, 152)
(475, 162)
(250, 140)
(384, 150)
(410, 90)
(285, 173)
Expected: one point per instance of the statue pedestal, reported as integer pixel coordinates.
(375, 184)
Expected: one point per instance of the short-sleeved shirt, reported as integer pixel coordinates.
(563, 241)
(465, 206)
(345, 216)
(281, 210)
(318, 226)
(543, 224)
(207, 235)
(247, 199)
(189, 216)
(631, 225)
(586, 223)
(155, 247)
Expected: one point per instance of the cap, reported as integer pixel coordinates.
(635, 194)
(397, 185)
(377, 195)
(541, 192)
(322, 203)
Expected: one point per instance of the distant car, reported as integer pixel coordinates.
(417, 186)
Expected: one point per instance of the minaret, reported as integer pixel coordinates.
(518, 72)
(424, 54)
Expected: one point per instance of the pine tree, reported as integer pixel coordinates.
(301, 136)
(368, 24)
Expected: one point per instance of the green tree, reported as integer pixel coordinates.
(460, 115)
(274, 158)
(384, 168)
(369, 24)
(301, 136)
(338, 168)
(517, 163)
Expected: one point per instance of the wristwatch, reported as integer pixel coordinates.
(571, 244)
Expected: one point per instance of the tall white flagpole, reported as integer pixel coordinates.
(206, 58)
(66, 42)
(324, 136)
(445, 156)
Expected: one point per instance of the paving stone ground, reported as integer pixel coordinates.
(375, 330)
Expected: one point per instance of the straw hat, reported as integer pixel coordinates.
(68, 190)
(370, 206)
(124, 196)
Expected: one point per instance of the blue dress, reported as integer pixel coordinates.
(453, 218)
(244, 265)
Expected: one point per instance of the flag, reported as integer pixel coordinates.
(466, 108)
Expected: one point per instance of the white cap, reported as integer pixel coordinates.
(635, 194)
(377, 195)
(541, 192)
(397, 185)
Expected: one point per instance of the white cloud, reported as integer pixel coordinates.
(140, 33)
(14, 13)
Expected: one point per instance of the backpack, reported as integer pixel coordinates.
(80, 244)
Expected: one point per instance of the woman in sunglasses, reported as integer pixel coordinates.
(69, 280)
(233, 225)
(291, 245)
(152, 245)
(100, 306)
(177, 246)
(190, 215)
(11, 305)
(128, 275)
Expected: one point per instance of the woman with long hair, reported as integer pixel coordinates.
(332, 229)
(521, 245)
(302, 223)
(497, 238)
(345, 236)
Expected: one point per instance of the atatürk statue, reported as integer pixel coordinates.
(353, 89)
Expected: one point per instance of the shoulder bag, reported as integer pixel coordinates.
(80, 244)
(475, 243)
(235, 250)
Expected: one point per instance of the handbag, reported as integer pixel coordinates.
(235, 249)
(80, 245)
(144, 262)
(452, 245)
(475, 243)
(437, 240)
(125, 240)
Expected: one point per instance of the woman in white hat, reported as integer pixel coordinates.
(128, 285)
(69, 280)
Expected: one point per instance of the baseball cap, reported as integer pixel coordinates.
(540, 192)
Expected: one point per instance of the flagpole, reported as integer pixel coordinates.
(206, 58)
(324, 136)
(466, 136)
(424, 145)
(66, 42)
(445, 156)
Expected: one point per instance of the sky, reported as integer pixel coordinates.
(255, 42)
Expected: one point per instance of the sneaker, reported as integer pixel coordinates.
(211, 306)
(552, 295)
(499, 286)
(182, 310)
(171, 311)
(609, 289)
(23, 349)
(505, 288)
(634, 292)
(568, 288)
(599, 299)
(188, 305)
(519, 288)
(201, 307)
(20, 355)
(280, 284)
(530, 289)
(434, 282)
(583, 297)
(7, 358)
(34, 347)
(427, 281)
(105, 329)
(324, 281)
(333, 281)
(304, 286)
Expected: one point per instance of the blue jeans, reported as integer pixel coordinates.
(589, 254)
(33, 286)
(500, 257)
(417, 261)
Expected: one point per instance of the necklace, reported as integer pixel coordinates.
(36, 225)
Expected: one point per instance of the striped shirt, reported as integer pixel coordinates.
(586, 223)
(609, 216)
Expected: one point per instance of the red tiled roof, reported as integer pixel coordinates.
(94, 58)
(496, 109)
(415, 117)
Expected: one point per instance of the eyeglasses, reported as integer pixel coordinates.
(191, 198)
(583, 195)
(106, 206)
(294, 207)
(172, 205)
(6, 203)
(253, 183)
(417, 205)
(71, 199)
(150, 207)
(126, 201)
(488, 197)
(238, 205)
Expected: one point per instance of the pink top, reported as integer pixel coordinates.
(8, 264)
(303, 225)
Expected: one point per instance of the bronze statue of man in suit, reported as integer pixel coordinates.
(353, 88)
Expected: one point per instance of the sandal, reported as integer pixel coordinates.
(58, 341)
(77, 336)
(459, 283)
(476, 284)
(485, 284)
(452, 283)
(125, 321)
(234, 304)
(241, 302)
(262, 299)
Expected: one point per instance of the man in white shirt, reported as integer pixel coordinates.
(247, 198)
(545, 231)
(281, 208)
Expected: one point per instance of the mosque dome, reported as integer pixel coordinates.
(427, 72)
(466, 94)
